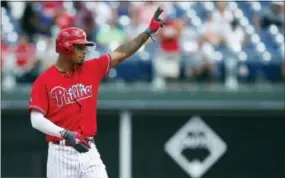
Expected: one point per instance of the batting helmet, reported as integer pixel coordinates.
(68, 37)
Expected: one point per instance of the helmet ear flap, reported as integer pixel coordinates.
(65, 50)
(69, 49)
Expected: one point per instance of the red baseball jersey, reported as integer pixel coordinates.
(69, 100)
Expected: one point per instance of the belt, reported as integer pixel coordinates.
(65, 143)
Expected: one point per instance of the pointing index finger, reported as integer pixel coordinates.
(157, 13)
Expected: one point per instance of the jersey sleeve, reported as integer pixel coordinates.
(101, 66)
(39, 98)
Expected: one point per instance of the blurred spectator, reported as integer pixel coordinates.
(218, 24)
(63, 19)
(145, 11)
(123, 8)
(212, 30)
(20, 62)
(271, 15)
(38, 18)
(234, 36)
(200, 64)
(110, 35)
(84, 19)
(229, 33)
(25, 59)
(8, 80)
(101, 10)
(30, 20)
(170, 35)
(47, 14)
(51, 7)
(167, 61)
(135, 27)
(4, 52)
(122, 12)
(222, 15)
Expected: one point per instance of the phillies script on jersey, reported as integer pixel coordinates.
(70, 95)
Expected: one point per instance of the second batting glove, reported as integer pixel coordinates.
(76, 140)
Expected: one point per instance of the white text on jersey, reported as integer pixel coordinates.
(71, 95)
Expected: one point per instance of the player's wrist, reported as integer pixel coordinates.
(63, 133)
(149, 32)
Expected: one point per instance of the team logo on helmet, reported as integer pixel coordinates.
(67, 43)
(78, 33)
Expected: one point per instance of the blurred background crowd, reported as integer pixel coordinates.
(224, 42)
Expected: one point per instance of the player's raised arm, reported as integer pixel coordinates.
(129, 48)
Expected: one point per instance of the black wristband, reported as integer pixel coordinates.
(149, 33)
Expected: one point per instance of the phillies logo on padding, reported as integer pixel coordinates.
(71, 95)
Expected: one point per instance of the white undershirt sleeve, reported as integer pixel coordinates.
(44, 125)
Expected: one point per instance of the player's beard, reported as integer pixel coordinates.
(80, 62)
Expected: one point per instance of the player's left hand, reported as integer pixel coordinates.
(76, 140)
(156, 22)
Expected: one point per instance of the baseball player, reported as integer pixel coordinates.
(64, 100)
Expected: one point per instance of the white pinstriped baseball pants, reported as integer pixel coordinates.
(66, 162)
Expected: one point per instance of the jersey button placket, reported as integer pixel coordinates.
(81, 122)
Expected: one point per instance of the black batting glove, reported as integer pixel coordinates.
(76, 140)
